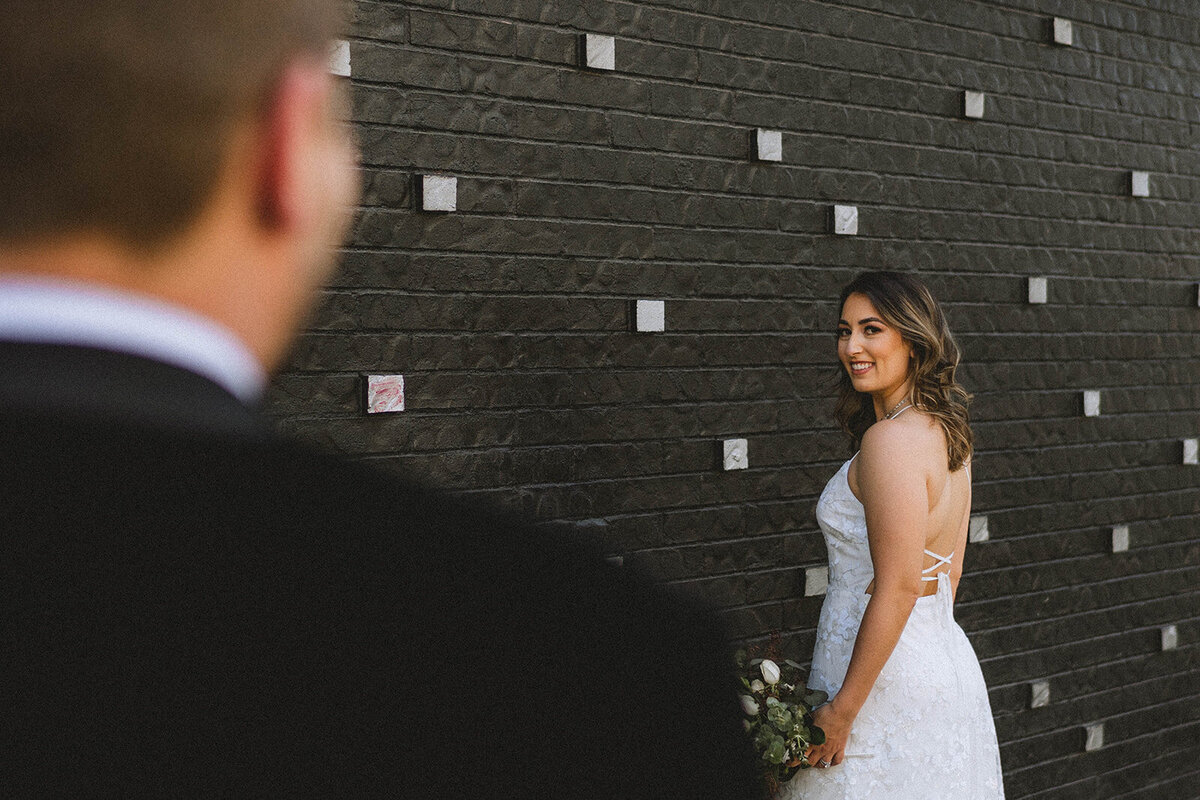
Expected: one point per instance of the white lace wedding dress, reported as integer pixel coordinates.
(926, 729)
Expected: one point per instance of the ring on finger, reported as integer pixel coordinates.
(823, 762)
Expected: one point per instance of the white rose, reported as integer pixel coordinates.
(749, 706)
(770, 671)
(756, 686)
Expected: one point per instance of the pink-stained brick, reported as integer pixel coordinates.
(385, 393)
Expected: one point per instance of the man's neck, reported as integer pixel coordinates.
(216, 270)
(56, 311)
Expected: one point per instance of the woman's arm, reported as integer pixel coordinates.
(891, 481)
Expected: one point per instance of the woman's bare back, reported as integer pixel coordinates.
(948, 497)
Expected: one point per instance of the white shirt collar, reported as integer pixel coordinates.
(75, 313)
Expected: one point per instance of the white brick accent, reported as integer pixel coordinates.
(735, 454)
(339, 58)
(973, 104)
(1170, 637)
(1120, 538)
(1139, 184)
(1039, 694)
(439, 193)
(816, 581)
(977, 529)
(1039, 290)
(1091, 403)
(649, 316)
(1191, 451)
(1062, 32)
(845, 220)
(769, 145)
(599, 51)
(1094, 736)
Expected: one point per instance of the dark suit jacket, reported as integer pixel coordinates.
(191, 606)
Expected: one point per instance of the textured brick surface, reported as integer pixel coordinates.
(580, 191)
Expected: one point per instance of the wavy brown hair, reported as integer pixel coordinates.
(907, 305)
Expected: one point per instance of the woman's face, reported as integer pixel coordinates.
(872, 352)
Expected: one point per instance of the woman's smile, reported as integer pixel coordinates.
(874, 353)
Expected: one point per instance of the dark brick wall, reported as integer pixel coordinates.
(580, 191)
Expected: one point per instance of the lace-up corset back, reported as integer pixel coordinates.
(843, 521)
(938, 561)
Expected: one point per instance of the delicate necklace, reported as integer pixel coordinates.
(896, 409)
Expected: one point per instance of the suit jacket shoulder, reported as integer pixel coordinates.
(196, 611)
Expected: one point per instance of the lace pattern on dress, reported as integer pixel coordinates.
(926, 729)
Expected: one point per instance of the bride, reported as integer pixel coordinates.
(909, 714)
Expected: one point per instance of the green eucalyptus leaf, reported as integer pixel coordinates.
(780, 717)
(775, 751)
(763, 736)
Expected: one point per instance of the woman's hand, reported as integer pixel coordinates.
(837, 729)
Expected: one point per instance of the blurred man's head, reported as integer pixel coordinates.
(167, 134)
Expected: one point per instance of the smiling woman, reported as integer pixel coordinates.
(881, 310)
(909, 714)
(875, 355)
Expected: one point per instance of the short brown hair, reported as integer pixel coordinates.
(117, 113)
(906, 303)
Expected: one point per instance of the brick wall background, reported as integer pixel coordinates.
(580, 191)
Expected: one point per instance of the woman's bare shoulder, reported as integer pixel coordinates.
(912, 438)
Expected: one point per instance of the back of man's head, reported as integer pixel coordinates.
(117, 113)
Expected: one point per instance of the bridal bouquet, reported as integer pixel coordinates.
(778, 708)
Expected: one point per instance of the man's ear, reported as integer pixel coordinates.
(289, 145)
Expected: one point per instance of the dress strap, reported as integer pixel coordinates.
(941, 560)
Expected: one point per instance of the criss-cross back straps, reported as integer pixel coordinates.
(940, 561)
